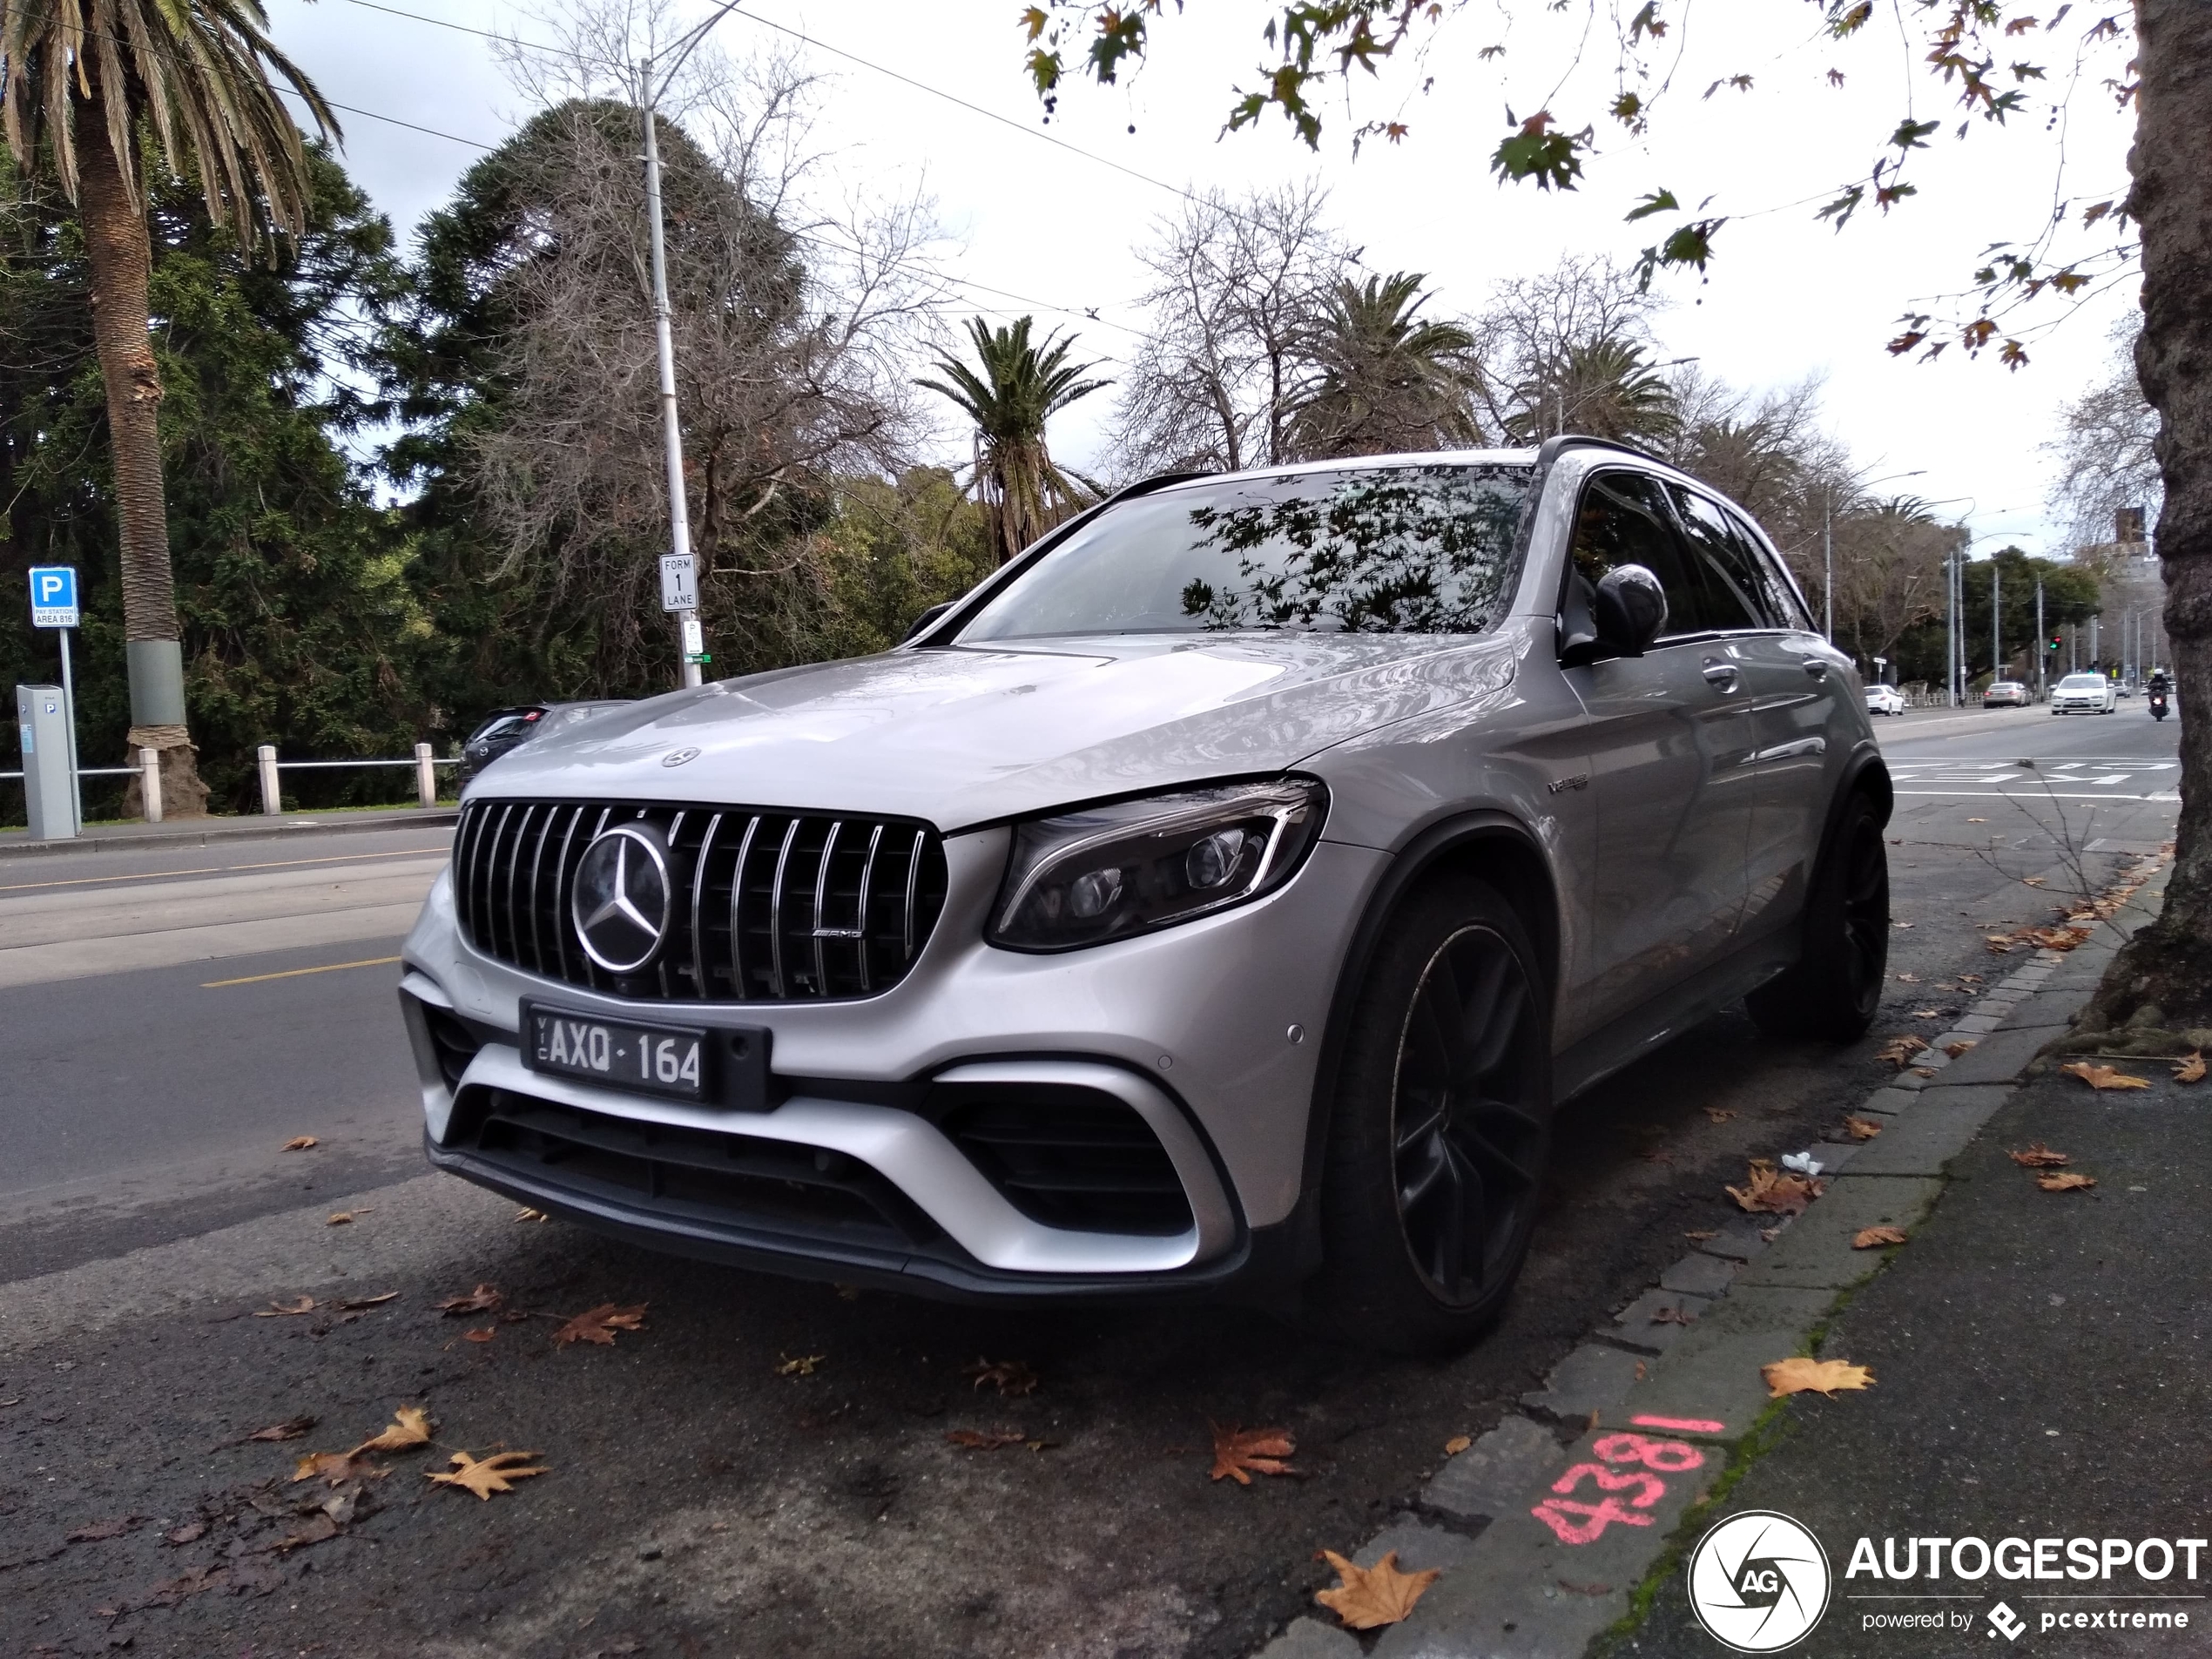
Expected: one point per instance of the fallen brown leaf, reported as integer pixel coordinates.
(984, 1439)
(483, 1299)
(1976, 820)
(1366, 1598)
(410, 1427)
(2038, 1156)
(1908, 978)
(484, 1476)
(1709, 1232)
(1012, 1376)
(317, 1529)
(1260, 1450)
(191, 1533)
(1862, 1129)
(1456, 1444)
(802, 1367)
(332, 1466)
(483, 1334)
(355, 1304)
(526, 1213)
(1875, 1237)
(2065, 1180)
(339, 1218)
(1955, 1049)
(1899, 1050)
(2032, 881)
(291, 1429)
(2104, 1076)
(599, 1325)
(300, 1143)
(1767, 1192)
(1969, 979)
(305, 1304)
(1718, 1114)
(1674, 1316)
(101, 1530)
(1798, 1375)
(1925, 1014)
(2190, 1070)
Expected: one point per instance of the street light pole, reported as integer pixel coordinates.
(679, 520)
(2042, 644)
(1828, 565)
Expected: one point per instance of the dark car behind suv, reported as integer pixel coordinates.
(503, 729)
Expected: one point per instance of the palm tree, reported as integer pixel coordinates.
(80, 83)
(1021, 386)
(1601, 388)
(1387, 380)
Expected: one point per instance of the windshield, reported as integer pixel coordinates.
(1423, 550)
(2081, 683)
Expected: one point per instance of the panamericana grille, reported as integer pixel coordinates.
(765, 906)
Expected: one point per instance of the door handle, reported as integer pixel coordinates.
(1819, 671)
(1721, 674)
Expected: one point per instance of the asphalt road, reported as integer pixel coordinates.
(700, 1500)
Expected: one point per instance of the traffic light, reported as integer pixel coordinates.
(2053, 642)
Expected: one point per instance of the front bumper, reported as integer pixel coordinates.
(1208, 1034)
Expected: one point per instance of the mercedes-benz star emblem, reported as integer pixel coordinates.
(677, 756)
(620, 906)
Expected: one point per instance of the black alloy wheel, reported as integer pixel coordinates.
(1439, 1126)
(1467, 1141)
(1836, 988)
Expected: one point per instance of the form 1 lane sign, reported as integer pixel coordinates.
(53, 596)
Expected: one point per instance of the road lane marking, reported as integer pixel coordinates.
(2034, 795)
(221, 869)
(294, 973)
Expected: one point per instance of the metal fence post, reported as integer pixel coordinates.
(426, 777)
(271, 795)
(149, 783)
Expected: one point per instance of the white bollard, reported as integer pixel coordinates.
(272, 796)
(426, 777)
(149, 783)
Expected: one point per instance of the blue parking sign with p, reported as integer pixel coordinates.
(53, 596)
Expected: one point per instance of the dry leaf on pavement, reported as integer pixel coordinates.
(483, 1299)
(1798, 1375)
(291, 1429)
(1366, 1598)
(2038, 1156)
(484, 1476)
(526, 1213)
(1719, 1114)
(2065, 1180)
(985, 1439)
(339, 1218)
(2104, 1076)
(1908, 978)
(1862, 1129)
(317, 1529)
(1773, 1194)
(599, 1325)
(1955, 1049)
(336, 1467)
(2190, 1070)
(410, 1427)
(355, 1304)
(1900, 1051)
(305, 1304)
(100, 1531)
(1456, 1444)
(484, 1334)
(1012, 1376)
(300, 1143)
(1260, 1450)
(191, 1533)
(1701, 1236)
(1875, 1237)
(802, 1367)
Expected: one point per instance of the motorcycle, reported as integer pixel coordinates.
(2158, 706)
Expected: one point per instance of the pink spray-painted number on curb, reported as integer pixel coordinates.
(1576, 1523)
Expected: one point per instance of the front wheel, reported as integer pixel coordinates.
(1440, 1128)
(1836, 987)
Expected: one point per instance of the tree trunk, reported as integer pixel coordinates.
(2168, 964)
(120, 252)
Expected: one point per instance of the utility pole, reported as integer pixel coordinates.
(2042, 644)
(1828, 564)
(1996, 631)
(679, 518)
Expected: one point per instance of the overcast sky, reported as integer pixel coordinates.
(1787, 298)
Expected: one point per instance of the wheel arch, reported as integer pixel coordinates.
(1494, 846)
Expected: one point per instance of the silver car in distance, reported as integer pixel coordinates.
(1216, 901)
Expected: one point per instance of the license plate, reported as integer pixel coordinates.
(620, 1054)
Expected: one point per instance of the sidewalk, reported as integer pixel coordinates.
(2039, 1363)
(200, 831)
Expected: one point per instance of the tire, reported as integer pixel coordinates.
(1836, 987)
(1440, 1127)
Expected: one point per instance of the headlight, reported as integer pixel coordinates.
(1106, 873)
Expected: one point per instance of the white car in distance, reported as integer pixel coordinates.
(1884, 699)
(2083, 694)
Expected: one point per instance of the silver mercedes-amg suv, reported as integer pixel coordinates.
(1217, 901)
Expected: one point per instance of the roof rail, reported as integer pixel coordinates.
(1552, 447)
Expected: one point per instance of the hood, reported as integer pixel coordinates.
(970, 735)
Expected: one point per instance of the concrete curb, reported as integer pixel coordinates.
(205, 831)
(1545, 1542)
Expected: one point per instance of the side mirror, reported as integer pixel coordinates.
(921, 622)
(1629, 609)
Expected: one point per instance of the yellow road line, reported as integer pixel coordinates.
(294, 973)
(225, 869)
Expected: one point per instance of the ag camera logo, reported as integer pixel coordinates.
(1758, 1582)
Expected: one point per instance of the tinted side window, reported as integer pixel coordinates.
(1623, 520)
(1783, 599)
(1735, 588)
